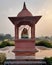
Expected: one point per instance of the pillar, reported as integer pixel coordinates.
(33, 31)
(16, 32)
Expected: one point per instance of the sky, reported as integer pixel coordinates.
(10, 8)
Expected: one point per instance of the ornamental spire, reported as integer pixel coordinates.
(24, 6)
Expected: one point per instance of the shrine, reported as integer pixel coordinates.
(25, 48)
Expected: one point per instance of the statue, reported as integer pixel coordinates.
(24, 33)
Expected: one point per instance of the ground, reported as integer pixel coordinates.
(42, 52)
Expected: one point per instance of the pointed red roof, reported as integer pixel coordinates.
(24, 12)
(25, 15)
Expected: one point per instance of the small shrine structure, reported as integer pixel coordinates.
(25, 48)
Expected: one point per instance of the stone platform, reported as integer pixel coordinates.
(25, 60)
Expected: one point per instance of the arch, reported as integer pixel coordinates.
(28, 29)
(24, 23)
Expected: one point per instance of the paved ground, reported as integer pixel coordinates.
(42, 52)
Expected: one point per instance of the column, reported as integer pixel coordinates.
(33, 31)
(16, 32)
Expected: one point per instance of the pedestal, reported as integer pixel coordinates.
(25, 47)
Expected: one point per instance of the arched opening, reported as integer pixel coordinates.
(24, 33)
(28, 31)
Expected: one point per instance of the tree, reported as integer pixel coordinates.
(8, 36)
(1, 37)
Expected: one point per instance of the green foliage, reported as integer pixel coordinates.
(44, 43)
(2, 58)
(6, 43)
(48, 60)
(1, 37)
(6, 36)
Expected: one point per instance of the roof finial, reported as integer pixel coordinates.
(24, 6)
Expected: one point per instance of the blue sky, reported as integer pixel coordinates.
(36, 7)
